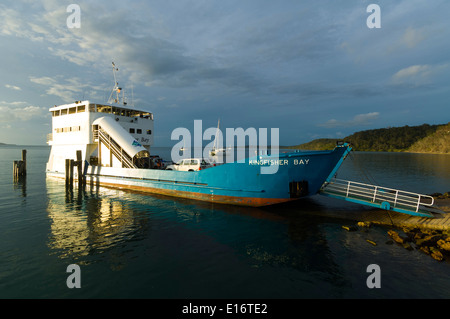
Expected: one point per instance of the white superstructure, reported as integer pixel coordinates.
(107, 134)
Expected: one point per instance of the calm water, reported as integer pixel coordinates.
(132, 245)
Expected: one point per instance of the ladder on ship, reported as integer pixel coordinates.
(114, 148)
(380, 197)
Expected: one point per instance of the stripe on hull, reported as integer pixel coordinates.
(221, 199)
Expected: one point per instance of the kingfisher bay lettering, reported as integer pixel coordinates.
(268, 162)
(280, 162)
(301, 161)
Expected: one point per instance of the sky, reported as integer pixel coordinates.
(313, 69)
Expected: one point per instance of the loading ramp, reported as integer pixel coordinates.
(125, 148)
(381, 197)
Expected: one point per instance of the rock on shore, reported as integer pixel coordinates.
(435, 243)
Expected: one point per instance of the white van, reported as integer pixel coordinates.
(190, 164)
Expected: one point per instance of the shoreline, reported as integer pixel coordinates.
(354, 150)
(399, 220)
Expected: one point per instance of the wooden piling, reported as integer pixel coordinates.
(70, 164)
(79, 164)
(20, 167)
(67, 171)
(24, 160)
(71, 172)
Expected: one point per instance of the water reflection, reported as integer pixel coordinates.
(20, 183)
(84, 222)
(420, 173)
(300, 242)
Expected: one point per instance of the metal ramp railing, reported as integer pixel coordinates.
(115, 148)
(380, 197)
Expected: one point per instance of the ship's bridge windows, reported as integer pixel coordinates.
(63, 111)
(81, 108)
(119, 111)
(103, 108)
(55, 113)
(72, 110)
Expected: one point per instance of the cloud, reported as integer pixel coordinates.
(412, 71)
(156, 50)
(13, 87)
(20, 111)
(412, 37)
(418, 74)
(357, 120)
(69, 90)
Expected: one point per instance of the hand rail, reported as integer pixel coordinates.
(380, 194)
(116, 149)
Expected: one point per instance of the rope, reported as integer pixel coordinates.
(369, 178)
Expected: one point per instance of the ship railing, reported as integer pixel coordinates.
(95, 135)
(378, 194)
(116, 150)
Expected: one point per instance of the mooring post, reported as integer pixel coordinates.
(79, 169)
(24, 160)
(20, 167)
(67, 171)
(71, 172)
(16, 169)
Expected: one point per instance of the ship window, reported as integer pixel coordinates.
(72, 110)
(103, 108)
(91, 107)
(149, 132)
(55, 113)
(81, 108)
(139, 131)
(131, 130)
(63, 111)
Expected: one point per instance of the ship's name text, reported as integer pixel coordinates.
(278, 162)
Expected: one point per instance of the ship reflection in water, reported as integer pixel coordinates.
(97, 222)
(150, 246)
(88, 222)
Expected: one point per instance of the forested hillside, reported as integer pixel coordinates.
(423, 139)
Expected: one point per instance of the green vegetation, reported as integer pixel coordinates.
(421, 139)
(437, 142)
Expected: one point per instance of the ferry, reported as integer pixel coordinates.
(116, 139)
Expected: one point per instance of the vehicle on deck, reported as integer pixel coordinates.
(190, 164)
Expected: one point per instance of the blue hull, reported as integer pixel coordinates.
(299, 174)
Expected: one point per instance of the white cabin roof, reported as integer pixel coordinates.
(87, 102)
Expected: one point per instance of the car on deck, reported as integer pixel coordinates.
(190, 164)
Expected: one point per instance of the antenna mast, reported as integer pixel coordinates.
(116, 89)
